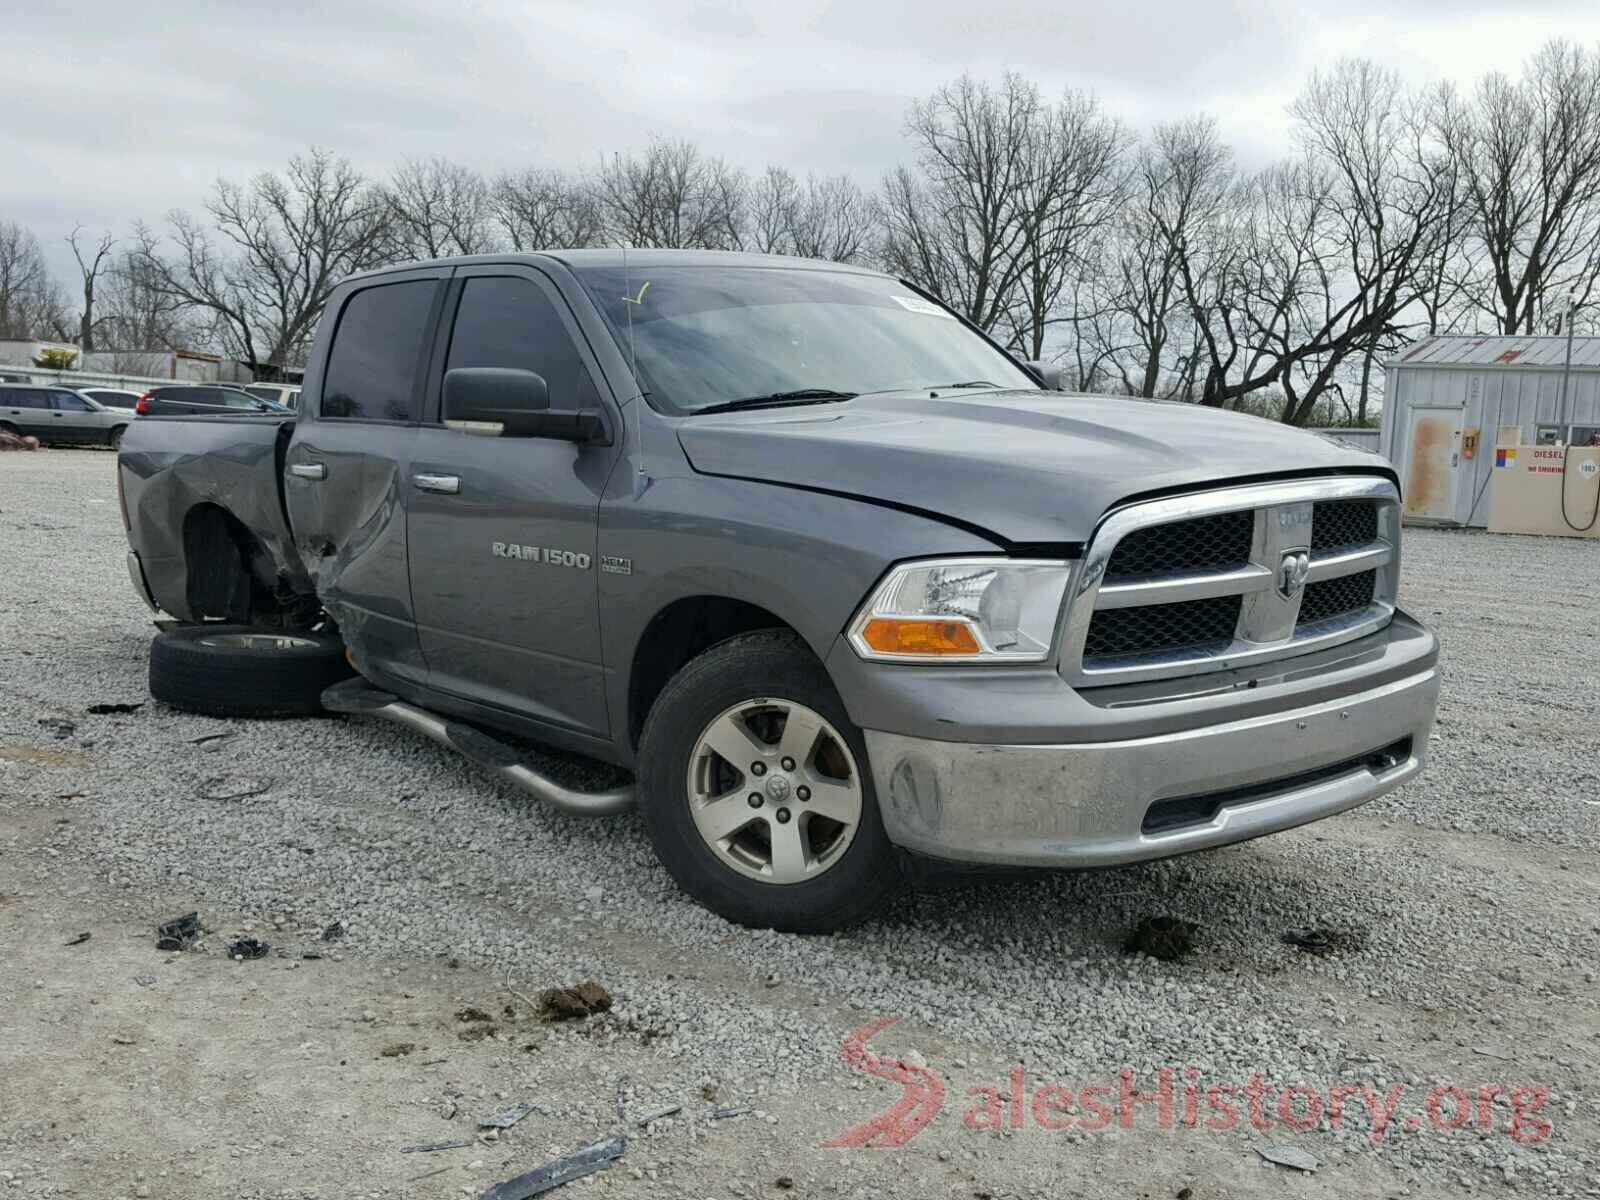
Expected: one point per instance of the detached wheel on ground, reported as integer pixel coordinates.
(243, 671)
(755, 788)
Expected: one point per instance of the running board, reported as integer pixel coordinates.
(358, 698)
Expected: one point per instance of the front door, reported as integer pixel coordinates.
(1433, 449)
(502, 531)
(73, 420)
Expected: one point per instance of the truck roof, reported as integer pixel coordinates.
(631, 258)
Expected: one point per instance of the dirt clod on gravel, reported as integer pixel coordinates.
(1166, 938)
(574, 1003)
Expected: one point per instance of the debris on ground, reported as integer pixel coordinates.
(211, 739)
(248, 948)
(333, 932)
(1166, 938)
(656, 1114)
(59, 726)
(232, 787)
(101, 710)
(12, 441)
(122, 1039)
(430, 1147)
(573, 1003)
(1184, 1193)
(562, 1170)
(79, 940)
(506, 1119)
(729, 1110)
(398, 1049)
(1288, 1156)
(472, 1013)
(1318, 940)
(145, 980)
(783, 1183)
(178, 933)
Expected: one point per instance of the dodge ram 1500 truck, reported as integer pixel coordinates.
(832, 576)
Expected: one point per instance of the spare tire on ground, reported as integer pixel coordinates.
(245, 671)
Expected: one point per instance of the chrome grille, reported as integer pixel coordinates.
(1221, 579)
(1339, 523)
(1206, 543)
(1329, 598)
(1164, 626)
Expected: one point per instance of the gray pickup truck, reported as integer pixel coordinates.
(834, 579)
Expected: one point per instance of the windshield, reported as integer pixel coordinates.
(704, 336)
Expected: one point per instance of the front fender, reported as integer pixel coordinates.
(808, 558)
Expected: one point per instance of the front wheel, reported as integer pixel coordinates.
(114, 438)
(756, 792)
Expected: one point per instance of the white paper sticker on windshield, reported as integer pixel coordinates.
(917, 304)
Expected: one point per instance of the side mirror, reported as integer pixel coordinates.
(506, 402)
(1048, 374)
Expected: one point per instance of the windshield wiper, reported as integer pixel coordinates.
(971, 383)
(779, 400)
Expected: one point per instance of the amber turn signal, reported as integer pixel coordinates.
(901, 635)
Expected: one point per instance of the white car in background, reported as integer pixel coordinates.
(286, 394)
(112, 398)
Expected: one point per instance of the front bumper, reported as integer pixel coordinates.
(1099, 803)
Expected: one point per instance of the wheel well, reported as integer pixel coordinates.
(230, 575)
(678, 633)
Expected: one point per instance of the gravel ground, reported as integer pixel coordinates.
(1469, 897)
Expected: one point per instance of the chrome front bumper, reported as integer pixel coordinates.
(1089, 804)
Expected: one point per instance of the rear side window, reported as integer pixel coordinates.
(377, 348)
(21, 399)
(505, 321)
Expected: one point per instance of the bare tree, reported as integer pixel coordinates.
(543, 209)
(90, 268)
(31, 305)
(280, 245)
(1180, 184)
(1070, 190)
(1530, 161)
(673, 196)
(437, 209)
(136, 316)
(953, 226)
(829, 218)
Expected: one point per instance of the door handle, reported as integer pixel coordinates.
(308, 470)
(448, 485)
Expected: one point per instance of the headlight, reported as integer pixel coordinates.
(963, 610)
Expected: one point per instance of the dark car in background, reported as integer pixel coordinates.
(203, 400)
(59, 415)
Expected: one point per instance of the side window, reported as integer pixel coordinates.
(22, 399)
(67, 402)
(505, 321)
(233, 399)
(372, 368)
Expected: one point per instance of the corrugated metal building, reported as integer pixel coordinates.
(1447, 397)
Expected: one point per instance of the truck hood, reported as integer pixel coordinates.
(1022, 466)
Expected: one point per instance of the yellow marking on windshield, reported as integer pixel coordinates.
(639, 299)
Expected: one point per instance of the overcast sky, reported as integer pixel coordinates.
(117, 109)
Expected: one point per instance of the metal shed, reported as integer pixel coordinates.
(1448, 395)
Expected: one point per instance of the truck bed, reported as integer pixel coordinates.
(192, 488)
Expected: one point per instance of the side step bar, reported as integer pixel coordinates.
(357, 697)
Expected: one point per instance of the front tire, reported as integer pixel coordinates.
(243, 671)
(756, 791)
(114, 439)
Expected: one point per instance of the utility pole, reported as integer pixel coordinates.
(1566, 370)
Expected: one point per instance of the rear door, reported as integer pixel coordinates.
(27, 410)
(502, 531)
(345, 468)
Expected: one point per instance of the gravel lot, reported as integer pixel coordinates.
(1472, 898)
